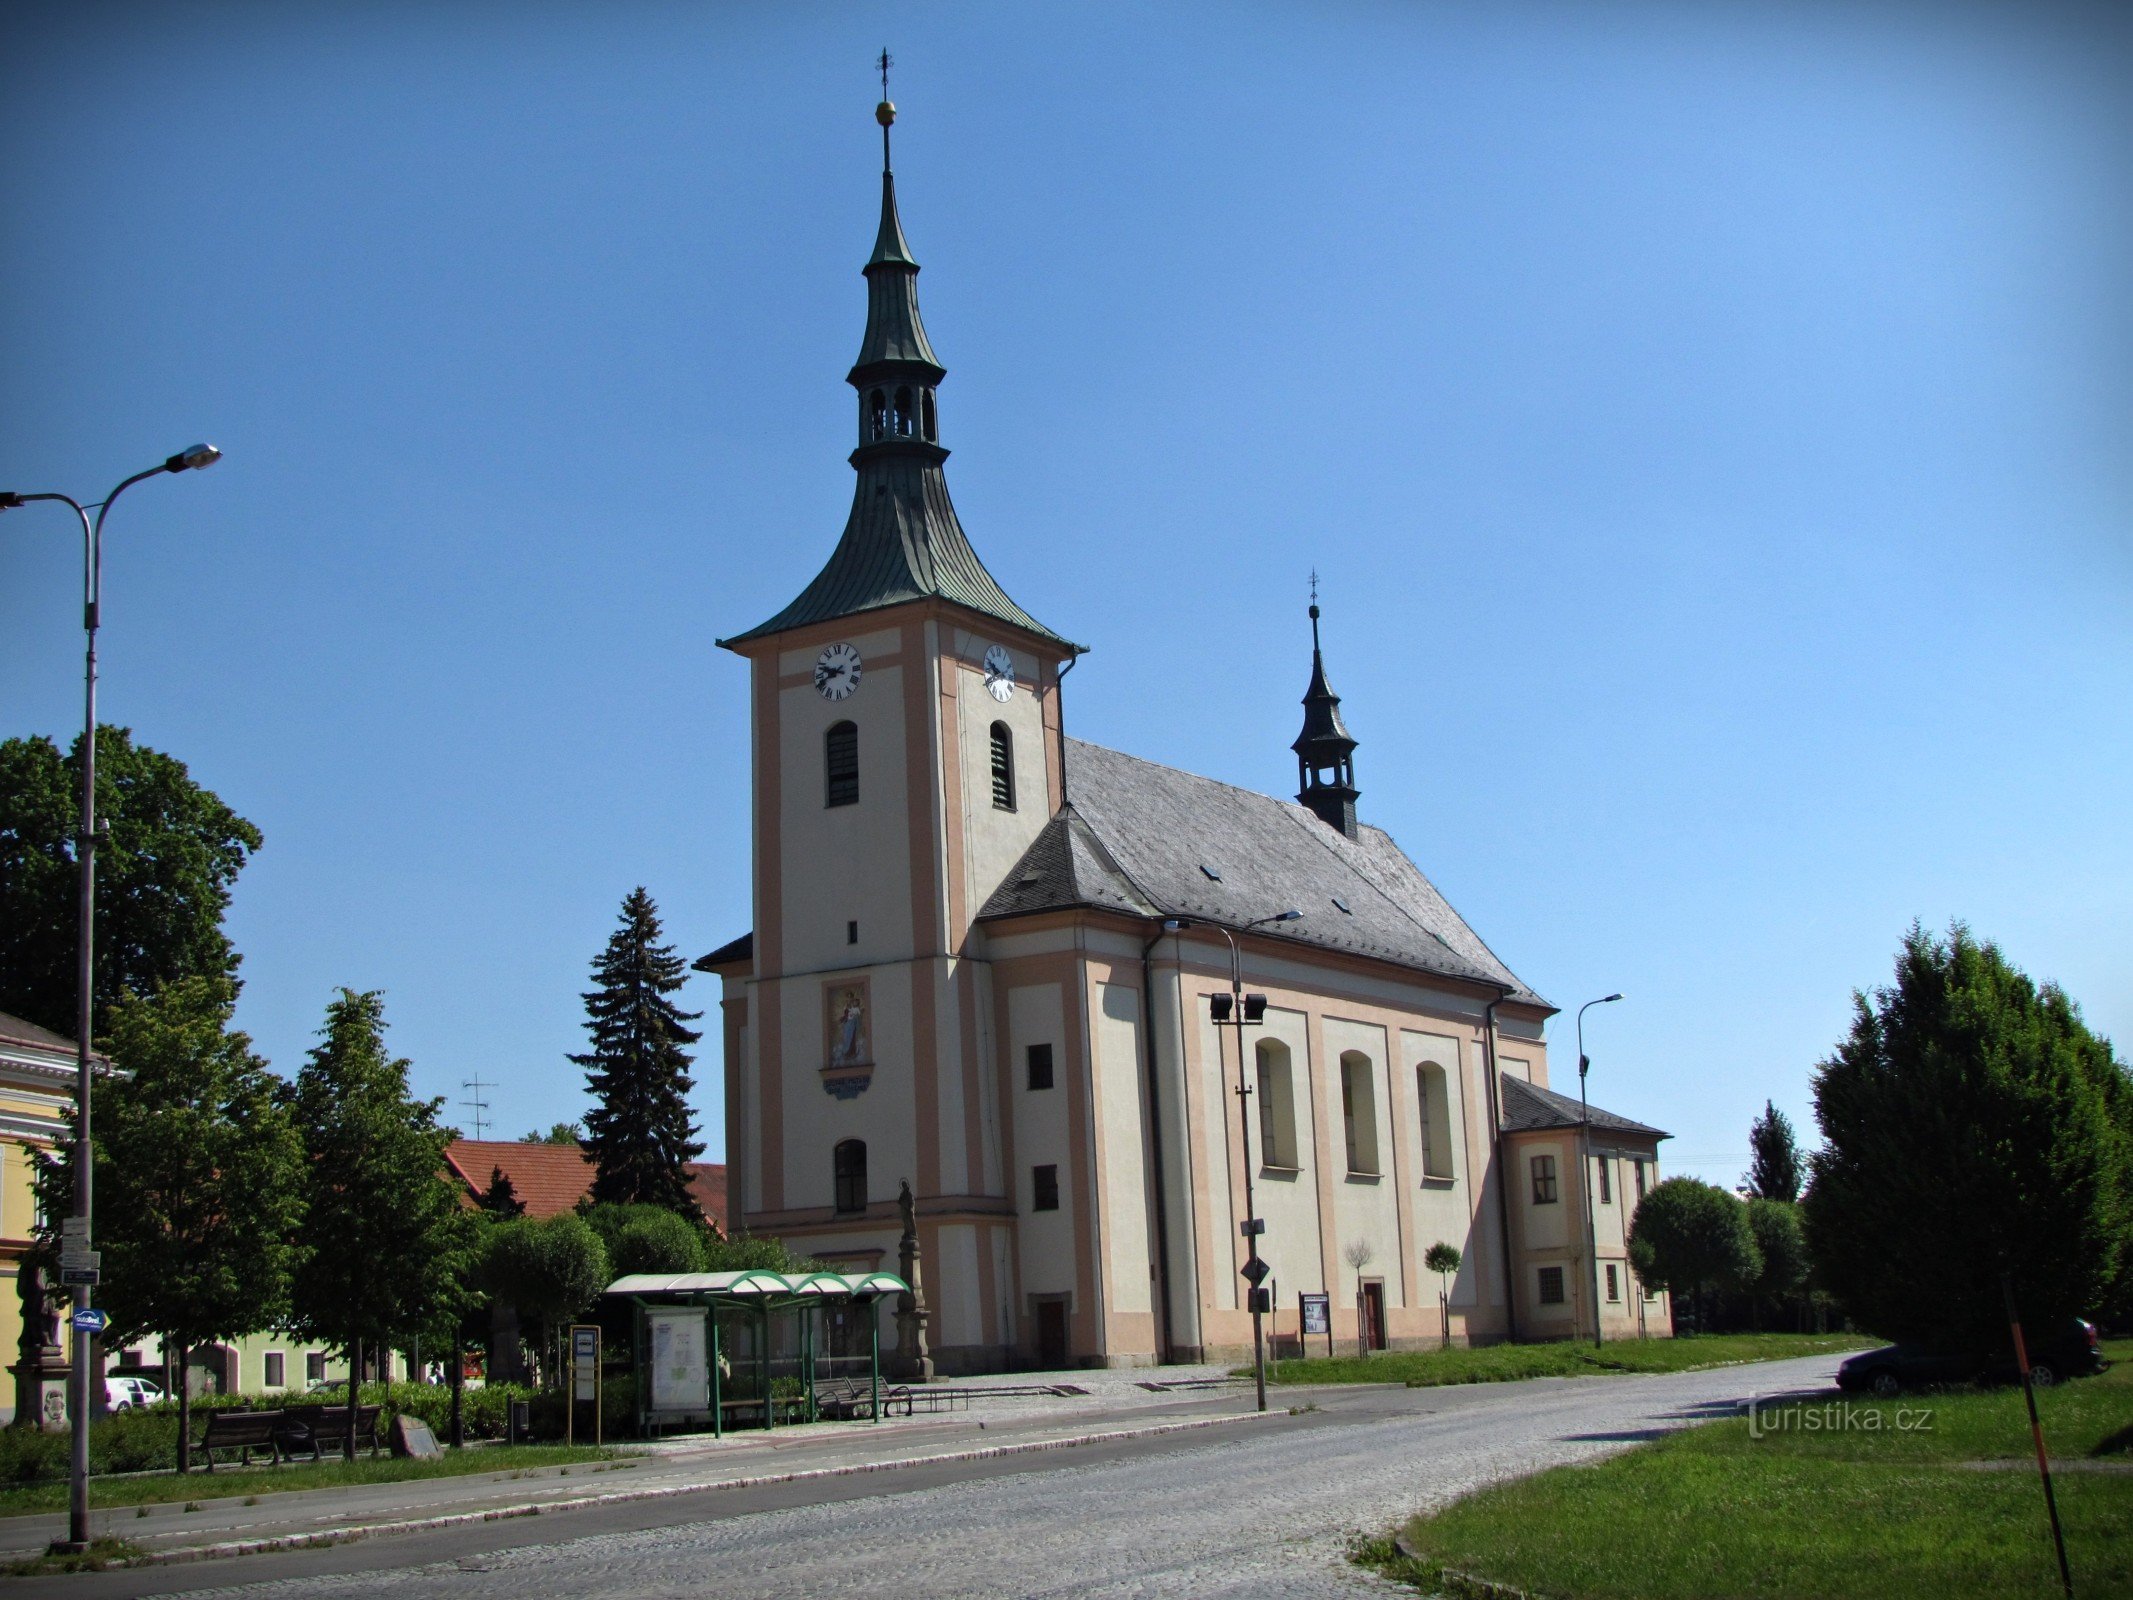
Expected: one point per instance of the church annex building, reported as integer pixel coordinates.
(983, 957)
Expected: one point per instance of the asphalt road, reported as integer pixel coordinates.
(1265, 1510)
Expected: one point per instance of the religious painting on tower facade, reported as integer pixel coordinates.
(845, 1022)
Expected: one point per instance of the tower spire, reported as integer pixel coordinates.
(1325, 751)
(902, 541)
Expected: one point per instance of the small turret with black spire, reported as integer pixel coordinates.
(1325, 752)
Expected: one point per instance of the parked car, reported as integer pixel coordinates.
(123, 1392)
(2073, 1351)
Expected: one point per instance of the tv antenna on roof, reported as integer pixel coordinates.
(475, 1103)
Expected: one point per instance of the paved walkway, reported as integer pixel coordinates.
(1113, 1401)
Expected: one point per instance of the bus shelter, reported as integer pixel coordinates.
(710, 1343)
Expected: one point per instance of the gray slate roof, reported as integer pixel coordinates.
(740, 949)
(13, 1027)
(1142, 838)
(1528, 1108)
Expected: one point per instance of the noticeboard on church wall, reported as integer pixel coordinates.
(1317, 1313)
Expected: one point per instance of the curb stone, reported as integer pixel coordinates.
(336, 1536)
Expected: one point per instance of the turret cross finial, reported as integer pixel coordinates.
(885, 113)
(1314, 586)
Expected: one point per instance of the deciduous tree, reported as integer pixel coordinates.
(1693, 1238)
(547, 1270)
(199, 1181)
(384, 1235)
(163, 875)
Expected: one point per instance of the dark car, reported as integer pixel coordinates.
(2073, 1351)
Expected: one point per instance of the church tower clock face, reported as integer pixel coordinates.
(837, 672)
(1000, 674)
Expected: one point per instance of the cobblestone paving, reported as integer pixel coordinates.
(1253, 1515)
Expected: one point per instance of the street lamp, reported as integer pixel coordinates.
(1592, 1237)
(1240, 1011)
(77, 1238)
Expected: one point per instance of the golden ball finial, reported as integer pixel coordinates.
(885, 113)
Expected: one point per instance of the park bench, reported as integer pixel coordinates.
(318, 1429)
(242, 1431)
(846, 1398)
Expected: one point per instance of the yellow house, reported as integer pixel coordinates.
(37, 1069)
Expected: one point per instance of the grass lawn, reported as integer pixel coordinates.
(1885, 1504)
(159, 1488)
(1503, 1363)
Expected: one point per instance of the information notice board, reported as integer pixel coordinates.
(681, 1359)
(1316, 1312)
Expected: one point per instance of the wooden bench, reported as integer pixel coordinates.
(320, 1428)
(243, 1431)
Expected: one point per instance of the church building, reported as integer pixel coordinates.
(989, 960)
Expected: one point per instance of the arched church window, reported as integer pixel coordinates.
(849, 1161)
(840, 762)
(1277, 1106)
(1359, 1113)
(933, 432)
(1003, 767)
(878, 405)
(901, 418)
(1433, 1098)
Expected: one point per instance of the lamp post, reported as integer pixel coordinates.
(92, 583)
(1240, 1011)
(1592, 1237)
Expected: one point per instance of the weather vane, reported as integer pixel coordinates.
(885, 113)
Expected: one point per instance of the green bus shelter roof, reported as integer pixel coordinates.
(756, 1286)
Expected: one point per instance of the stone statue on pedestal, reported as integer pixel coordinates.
(913, 1362)
(41, 1367)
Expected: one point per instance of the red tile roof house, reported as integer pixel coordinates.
(550, 1179)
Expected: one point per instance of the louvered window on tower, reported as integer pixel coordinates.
(840, 751)
(1003, 768)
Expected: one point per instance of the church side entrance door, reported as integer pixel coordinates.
(1374, 1314)
(1051, 1334)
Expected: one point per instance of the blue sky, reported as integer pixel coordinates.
(1712, 425)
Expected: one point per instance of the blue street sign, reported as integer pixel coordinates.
(90, 1320)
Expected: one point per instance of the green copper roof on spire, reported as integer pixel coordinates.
(902, 541)
(890, 248)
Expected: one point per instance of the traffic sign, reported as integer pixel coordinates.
(1255, 1271)
(80, 1277)
(89, 1319)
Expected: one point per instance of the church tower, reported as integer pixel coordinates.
(906, 752)
(1325, 751)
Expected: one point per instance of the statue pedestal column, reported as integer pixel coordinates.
(913, 1362)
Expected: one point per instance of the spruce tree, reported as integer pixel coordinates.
(1776, 1172)
(639, 1134)
(385, 1238)
(500, 1199)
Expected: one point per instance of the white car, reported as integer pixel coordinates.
(123, 1394)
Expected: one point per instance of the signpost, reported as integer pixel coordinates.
(1316, 1312)
(90, 1320)
(584, 1378)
